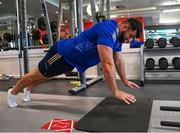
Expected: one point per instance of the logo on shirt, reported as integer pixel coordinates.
(84, 46)
(115, 35)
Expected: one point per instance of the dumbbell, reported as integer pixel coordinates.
(5, 46)
(149, 43)
(162, 42)
(163, 63)
(176, 63)
(175, 41)
(8, 37)
(150, 63)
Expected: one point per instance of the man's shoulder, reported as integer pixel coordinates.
(107, 25)
(110, 22)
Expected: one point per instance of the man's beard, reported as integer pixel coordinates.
(122, 39)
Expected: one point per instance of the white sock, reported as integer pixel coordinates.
(26, 95)
(11, 99)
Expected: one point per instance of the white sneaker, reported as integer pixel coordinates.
(11, 99)
(26, 95)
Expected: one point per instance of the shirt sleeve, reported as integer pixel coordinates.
(104, 37)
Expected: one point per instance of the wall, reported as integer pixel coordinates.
(10, 61)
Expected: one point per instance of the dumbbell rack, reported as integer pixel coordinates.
(158, 52)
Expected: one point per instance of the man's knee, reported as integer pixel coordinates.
(33, 77)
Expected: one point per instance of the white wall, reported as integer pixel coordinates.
(9, 61)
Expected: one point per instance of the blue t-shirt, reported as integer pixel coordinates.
(81, 51)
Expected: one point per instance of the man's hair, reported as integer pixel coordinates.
(135, 25)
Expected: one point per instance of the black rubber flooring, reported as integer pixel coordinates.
(117, 116)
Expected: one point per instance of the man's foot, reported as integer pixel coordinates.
(11, 99)
(26, 95)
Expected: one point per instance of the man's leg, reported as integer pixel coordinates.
(30, 78)
(28, 90)
(51, 65)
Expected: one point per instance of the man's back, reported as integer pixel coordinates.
(81, 51)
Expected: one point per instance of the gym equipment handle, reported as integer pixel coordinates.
(170, 123)
(169, 108)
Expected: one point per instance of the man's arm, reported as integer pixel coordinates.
(120, 67)
(108, 67)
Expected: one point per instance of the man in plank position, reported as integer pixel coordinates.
(100, 43)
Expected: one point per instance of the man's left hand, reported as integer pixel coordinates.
(131, 84)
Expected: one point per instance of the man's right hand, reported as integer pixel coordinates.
(125, 97)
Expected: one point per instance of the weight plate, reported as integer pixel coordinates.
(149, 43)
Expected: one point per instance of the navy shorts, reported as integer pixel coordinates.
(54, 64)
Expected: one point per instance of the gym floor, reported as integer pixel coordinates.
(51, 100)
(157, 90)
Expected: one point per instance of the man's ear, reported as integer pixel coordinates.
(124, 27)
